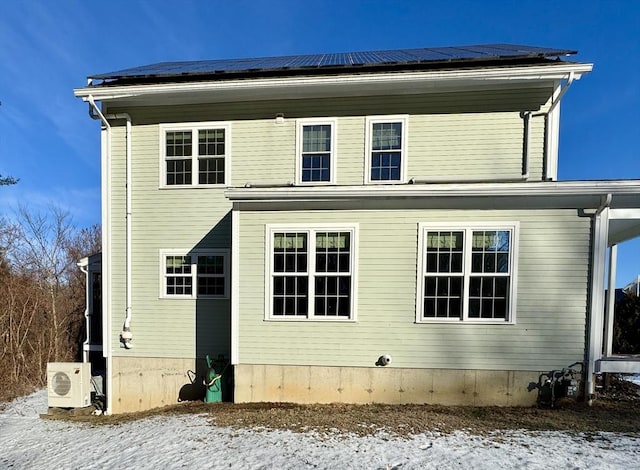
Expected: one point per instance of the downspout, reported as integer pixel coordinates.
(526, 118)
(596, 294)
(85, 270)
(554, 103)
(126, 337)
(526, 147)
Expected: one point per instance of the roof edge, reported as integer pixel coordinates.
(439, 190)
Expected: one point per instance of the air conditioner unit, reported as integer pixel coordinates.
(69, 384)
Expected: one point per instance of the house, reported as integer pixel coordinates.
(361, 227)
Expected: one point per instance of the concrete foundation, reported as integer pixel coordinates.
(144, 383)
(315, 384)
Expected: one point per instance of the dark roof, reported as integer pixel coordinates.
(343, 62)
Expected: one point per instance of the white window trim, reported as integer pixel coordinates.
(369, 122)
(194, 253)
(423, 227)
(332, 156)
(310, 229)
(194, 127)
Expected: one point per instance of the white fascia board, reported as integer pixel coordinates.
(551, 72)
(565, 188)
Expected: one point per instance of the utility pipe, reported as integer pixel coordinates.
(446, 180)
(126, 337)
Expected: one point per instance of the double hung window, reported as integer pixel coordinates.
(311, 272)
(195, 155)
(316, 151)
(467, 273)
(386, 149)
(196, 274)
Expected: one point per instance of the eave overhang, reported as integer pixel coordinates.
(353, 84)
(625, 194)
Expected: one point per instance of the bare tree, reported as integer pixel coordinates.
(42, 253)
(41, 295)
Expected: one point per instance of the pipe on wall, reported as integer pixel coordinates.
(126, 336)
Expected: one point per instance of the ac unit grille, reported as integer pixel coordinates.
(61, 383)
(69, 384)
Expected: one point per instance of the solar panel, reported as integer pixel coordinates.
(346, 59)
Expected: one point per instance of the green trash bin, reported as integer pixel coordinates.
(213, 383)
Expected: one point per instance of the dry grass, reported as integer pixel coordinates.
(617, 411)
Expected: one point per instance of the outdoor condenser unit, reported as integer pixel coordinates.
(69, 384)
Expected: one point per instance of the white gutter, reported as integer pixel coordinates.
(596, 294)
(524, 73)
(126, 336)
(541, 188)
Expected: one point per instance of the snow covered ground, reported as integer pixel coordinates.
(28, 442)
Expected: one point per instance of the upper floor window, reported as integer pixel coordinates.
(202, 273)
(195, 155)
(467, 273)
(315, 151)
(386, 149)
(311, 272)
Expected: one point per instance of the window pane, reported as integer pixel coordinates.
(211, 142)
(178, 264)
(213, 264)
(315, 167)
(278, 285)
(211, 171)
(213, 286)
(444, 252)
(386, 136)
(491, 251)
(178, 172)
(316, 138)
(385, 166)
(290, 252)
(332, 249)
(290, 295)
(316, 153)
(443, 296)
(178, 143)
(489, 297)
(333, 296)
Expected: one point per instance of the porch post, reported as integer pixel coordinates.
(596, 307)
(611, 301)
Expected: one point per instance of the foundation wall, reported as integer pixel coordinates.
(316, 384)
(142, 383)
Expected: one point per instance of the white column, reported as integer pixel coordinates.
(611, 301)
(596, 308)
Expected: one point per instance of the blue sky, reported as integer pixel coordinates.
(47, 48)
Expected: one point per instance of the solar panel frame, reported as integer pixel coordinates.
(310, 62)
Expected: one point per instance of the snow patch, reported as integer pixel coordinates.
(186, 440)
